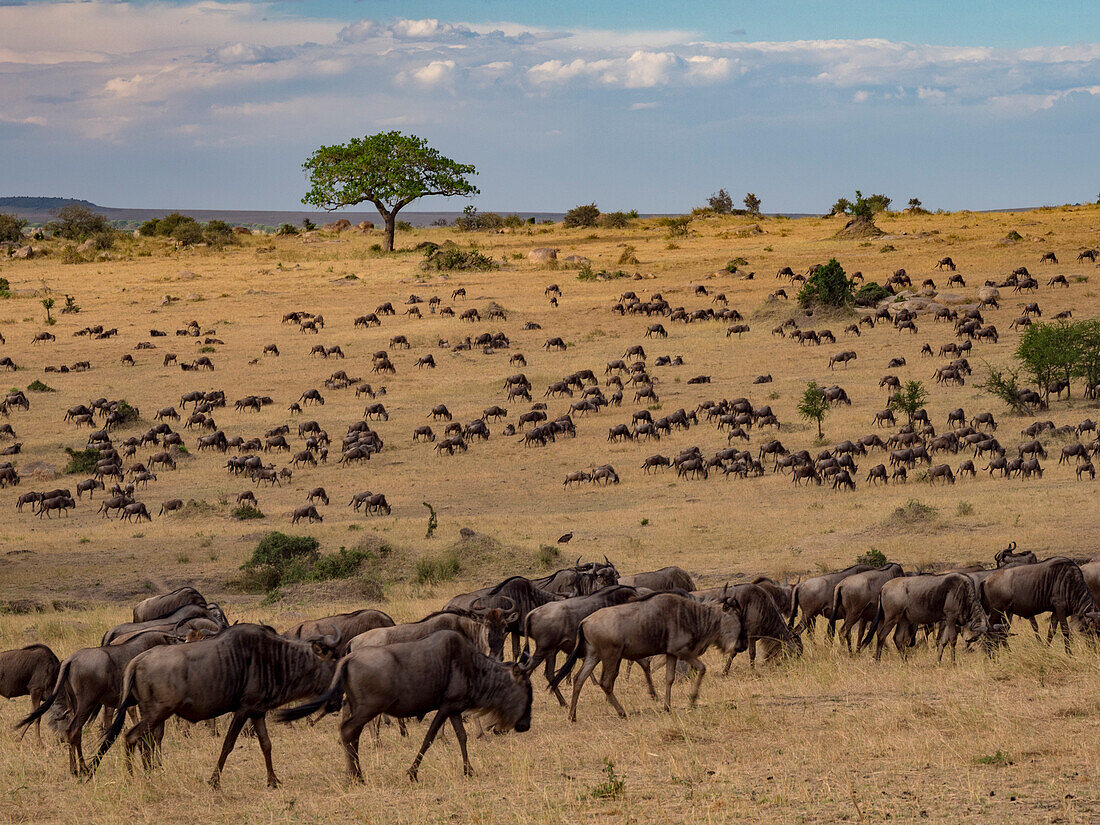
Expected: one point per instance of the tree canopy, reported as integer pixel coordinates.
(828, 285)
(388, 169)
(813, 406)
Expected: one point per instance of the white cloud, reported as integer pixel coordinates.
(436, 73)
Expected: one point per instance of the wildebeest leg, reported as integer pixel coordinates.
(607, 682)
(75, 735)
(901, 638)
(947, 636)
(231, 735)
(1035, 627)
(752, 651)
(350, 729)
(729, 664)
(433, 729)
(36, 700)
(648, 673)
(701, 671)
(460, 735)
(1064, 624)
(550, 662)
(589, 665)
(515, 645)
(260, 725)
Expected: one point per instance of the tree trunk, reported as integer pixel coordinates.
(391, 224)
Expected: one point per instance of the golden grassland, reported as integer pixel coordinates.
(821, 739)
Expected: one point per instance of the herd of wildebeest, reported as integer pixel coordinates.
(916, 442)
(181, 656)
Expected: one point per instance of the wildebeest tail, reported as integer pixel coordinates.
(578, 653)
(125, 702)
(879, 615)
(47, 702)
(330, 700)
(794, 609)
(832, 613)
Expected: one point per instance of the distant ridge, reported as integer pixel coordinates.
(39, 210)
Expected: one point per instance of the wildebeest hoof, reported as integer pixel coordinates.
(215, 781)
(273, 781)
(412, 775)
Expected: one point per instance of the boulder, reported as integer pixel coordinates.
(950, 298)
(860, 228)
(576, 260)
(987, 293)
(365, 225)
(241, 230)
(338, 226)
(543, 255)
(24, 252)
(87, 246)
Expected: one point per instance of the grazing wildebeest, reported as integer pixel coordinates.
(763, 617)
(815, 595)
(950, 600)
(1056, 586)
(90, 679)
(855, 598)
(665, 579)
(248, 670)
(677, 626)
(553, 627)
(177, 617)
(29, 671)
(158, 607)
(345, 625)
(443, 672)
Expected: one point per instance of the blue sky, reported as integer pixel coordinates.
(209, 104)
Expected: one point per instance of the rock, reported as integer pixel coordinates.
(24, 252)
(543, 255)
(167, 299)
(467, 533)
(39, 470)
(194, 296)
(365, 225)
(987, 293)
(950, 298)
(87, 246)
(338, 226)
(928, 292)
(185, 275)
(576, 260)
(860, 228)
(241, 230)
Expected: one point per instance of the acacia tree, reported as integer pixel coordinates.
(389, 169)
(813, 406)
(909, 399)
(752, 205)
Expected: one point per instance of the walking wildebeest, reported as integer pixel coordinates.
(855, 598)
(28, 671)
(1056, 586)
(443, 672)
(678, 627)
(248, 670)
(665, 579)
(815, 595)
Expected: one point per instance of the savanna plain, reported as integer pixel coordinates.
(825, 737)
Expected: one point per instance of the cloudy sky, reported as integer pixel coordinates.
(969, 103)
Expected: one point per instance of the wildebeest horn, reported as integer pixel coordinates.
(578, 564)
(475, 605)
(333, 641)
(510, 606)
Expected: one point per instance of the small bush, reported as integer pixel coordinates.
(11, 228)
(887, 248)
(870, 293)
(246, 512)
(38, 386)
(1000, 759)
(614, 220)
(548, 556)
(5, 288)
(613, 785)
(736, 263)
(678, 227)
(829, 285)
(291, 229)
(873, 557)
(440, 569)
(451, 258)
(965, 508)
(82, 461)
(126, 412)
(581, 216)
(343, 564)
(207, 348)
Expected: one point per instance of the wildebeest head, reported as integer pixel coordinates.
(516, 713)
(1088, 624)
(495, 621)
(732, 635)
(326, 647)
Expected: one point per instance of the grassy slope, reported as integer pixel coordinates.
(807, 741)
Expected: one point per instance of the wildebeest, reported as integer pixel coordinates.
(815, 595)
(514, 594)
(176, 618)
(553, 627)
(90, 679)
(676, 626)
(248, 670)
(1056, 586)
(443, 672)
(157, 607)
(855, 599)
(950, 600)
(665, 579)
(345, 625)
(28, 671)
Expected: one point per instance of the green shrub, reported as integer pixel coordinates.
(614, 220)
(245, 512)
(280, 559)
(11, 228)
(218, 233)
(613, 785)
(127, 412)
(38, 386)
(585, 215)
(439, 569)
(870, 293)
(403, 226)
(678, 226)
(873, 557)
(207, 348)
(888, 248)
(82, 461)
(828, 286)
(735, 263)
(548, 556)
(451, 258)
(79, 223)
(5, 288)
(473, 221)
(291, 229)
(343, 564)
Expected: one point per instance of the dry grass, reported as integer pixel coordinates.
(822, 739)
